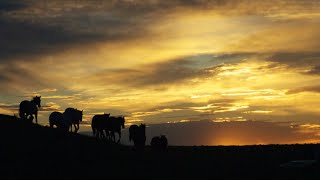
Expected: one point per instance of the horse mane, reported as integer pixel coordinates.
(70, 108)
(34, 98)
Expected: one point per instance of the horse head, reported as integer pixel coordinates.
(122, 121)
(81, 114)
(142, 126)
(106, 115)
(37, 100)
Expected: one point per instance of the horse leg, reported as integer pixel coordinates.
(119, 136)
(36, 115)
(76, 127)
(98, 134)
(70, 127)
(113, 137)
(29, 118)
(101, 134)
(107, 135)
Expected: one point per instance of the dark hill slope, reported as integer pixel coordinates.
(32, 151)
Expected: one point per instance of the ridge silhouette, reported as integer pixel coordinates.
(32, 151)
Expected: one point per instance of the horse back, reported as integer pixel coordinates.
(55, 116)
(27, 106)
(133, 129)
(58, 119)
(72, 115)
(98, 121)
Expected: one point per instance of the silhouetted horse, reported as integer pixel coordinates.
(114, 125)
(137, 134)
(159, 143)
(73, 117)
(56, 118)
(99, 124)
(28, 108)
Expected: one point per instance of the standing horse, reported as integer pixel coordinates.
(99, 124)
(73, 117)
(114, 125)
(159, 143)
(28, 108)
(138, 135)
(56, 118)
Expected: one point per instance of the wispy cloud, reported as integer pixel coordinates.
(164, 61)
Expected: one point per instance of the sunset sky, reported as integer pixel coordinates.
(202, 72)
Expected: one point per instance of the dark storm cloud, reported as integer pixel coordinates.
(35, 31)
(297, 59)
(315, 70)
(315, 89)
(13, 77)
(307, 63)
(10, 5)
(168, 72)
(161, 74)
(21, 39)
(33, 27)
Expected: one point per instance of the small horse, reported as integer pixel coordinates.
(99, 124)
(73, 117)
(159, 143)
(56, 118)
(137, 134)
(114, 125)
(28, 108)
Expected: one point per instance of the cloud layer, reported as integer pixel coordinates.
(167, 61)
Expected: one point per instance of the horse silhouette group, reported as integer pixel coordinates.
(66, 119)
(103, 126)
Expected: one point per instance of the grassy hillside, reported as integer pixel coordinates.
(33, 151)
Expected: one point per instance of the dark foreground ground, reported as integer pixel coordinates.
(29, 151)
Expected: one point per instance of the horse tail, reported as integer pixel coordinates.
(130, 136)
(51, 122)
(93, 126)
(21, 114)
(94, 131)
(131, 133)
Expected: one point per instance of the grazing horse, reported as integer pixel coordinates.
(56, 118)
(137, 134)
(159, 143)
(99, 124)
(28, 108)
(73, 117)
(114, 125)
